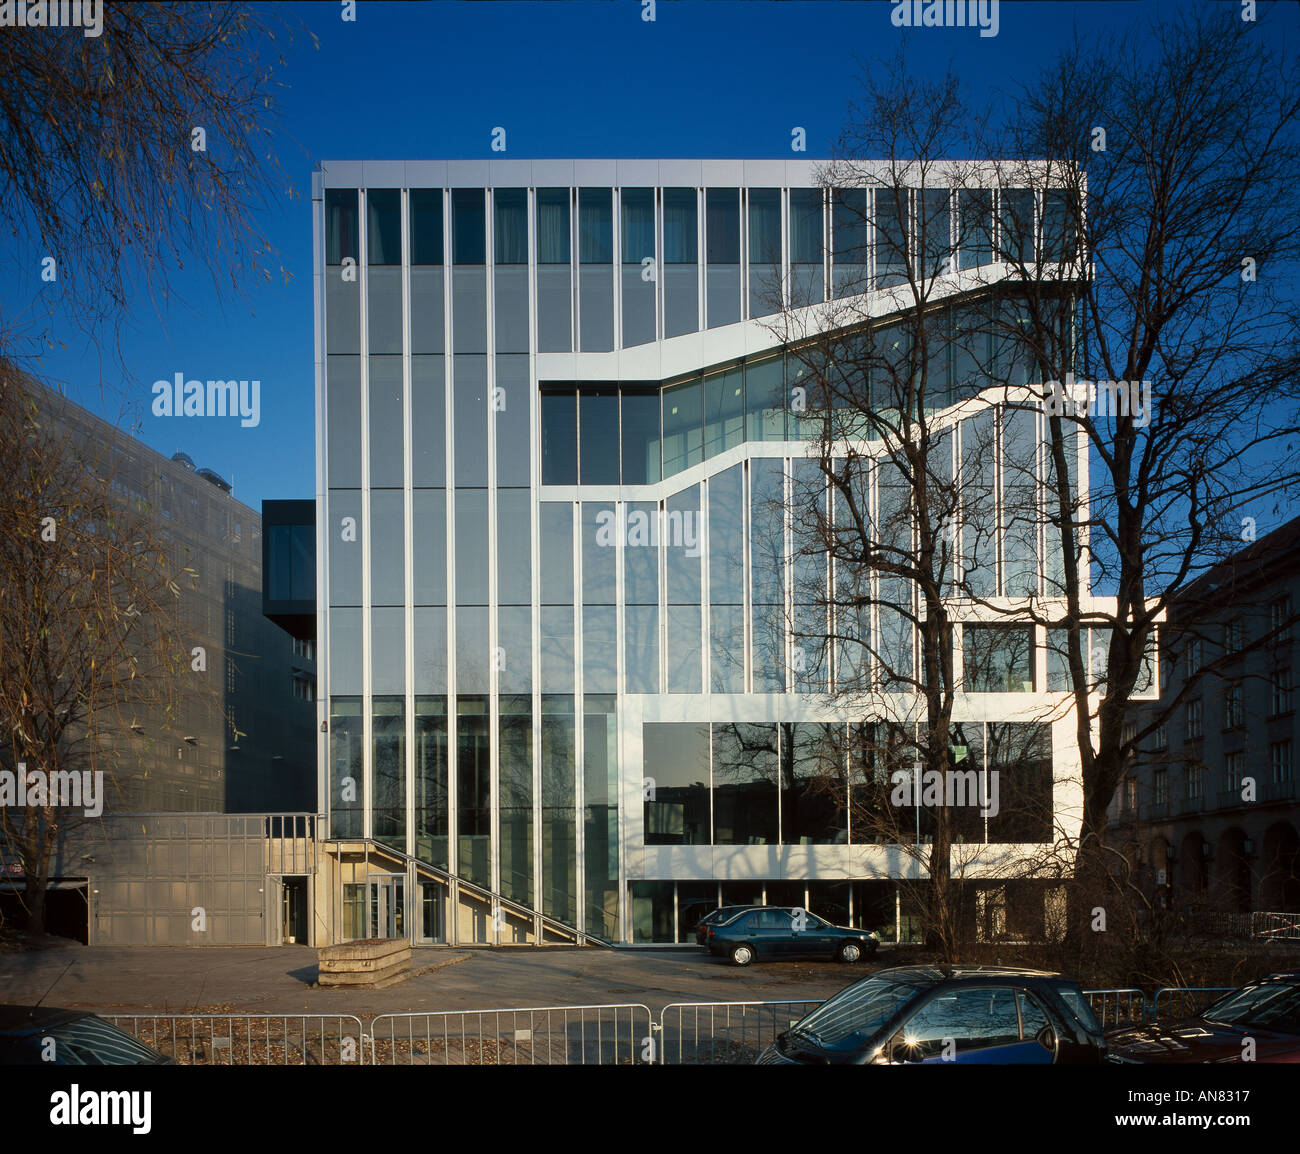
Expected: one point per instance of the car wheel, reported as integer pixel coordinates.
(850, 952)
(742, 955)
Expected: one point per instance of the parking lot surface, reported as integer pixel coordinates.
(281, 980)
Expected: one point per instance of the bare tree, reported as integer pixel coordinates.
(1156, 178)
(874, 564)
(126, 154)
(90, 639)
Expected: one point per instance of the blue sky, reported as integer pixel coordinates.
(566, 78)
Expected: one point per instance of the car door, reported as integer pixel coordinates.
(772, 935)
(808, 936)
(976, 1025)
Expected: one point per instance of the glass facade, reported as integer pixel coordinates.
(577, 676)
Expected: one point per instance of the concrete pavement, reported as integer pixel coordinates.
(173, 979)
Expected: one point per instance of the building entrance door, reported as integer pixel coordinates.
(387, 905)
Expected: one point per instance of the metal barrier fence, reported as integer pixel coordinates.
(1183, 1002)
(249, 1039)
(1275, 927)
(612, 1035)
(724, 1033)
(623, 1034)
(1120, 1007)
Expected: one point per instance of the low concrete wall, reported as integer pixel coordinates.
(374, 962)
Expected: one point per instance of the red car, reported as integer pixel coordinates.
(1259, 1023)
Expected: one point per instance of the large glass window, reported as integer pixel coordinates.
(596, 265)
(388, 744)
(342, 296)
(767, 557)
(343, 400)
(386, 440)
(814, 784)
(598, 426)
(852, 254)
(595, 226)
(979, 506)
(998, 658)
(511, 225)
(347, 543)
(431, 780)
(1020, 753)
(933, 228)
(1060, 233)
(1020, 514)
(471, 419)
(347, 768)
(641, 436)
(426, 225)
(510, 418)
(681, 258)
(892, 226)
(383, 226)
(722, 232)
(727, 581)
(510, 281)
(554, 290)
(639, 278)
(684, 546)
(514, 546)
(559, 437)
(724, 410)
(764, 251)
(641, 593)
(600, 796)
(559, 881)
(471, 547)
(428, 441)
(429, 546)
(676, 786)
(340, 225)
(765, 400)
(555, 529)
(516, 784)
(744, 784)
(975, 228)
(469, 228)
(387, 650)
(806, 275)
(473, 788)
(388, 532)
(1016, 232)
(683, 426)
(514, 655)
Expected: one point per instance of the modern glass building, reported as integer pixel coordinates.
(558, 700)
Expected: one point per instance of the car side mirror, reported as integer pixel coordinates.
(1046, 1037)
(897, 1052)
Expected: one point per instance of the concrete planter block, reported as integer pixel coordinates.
(373, 962)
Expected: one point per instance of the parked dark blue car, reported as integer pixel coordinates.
(974, 1015)
(773, 933)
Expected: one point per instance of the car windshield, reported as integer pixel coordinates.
(847, 1020)
(91, 1041)
(1269, 1005)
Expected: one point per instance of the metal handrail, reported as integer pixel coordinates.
(581, 937)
